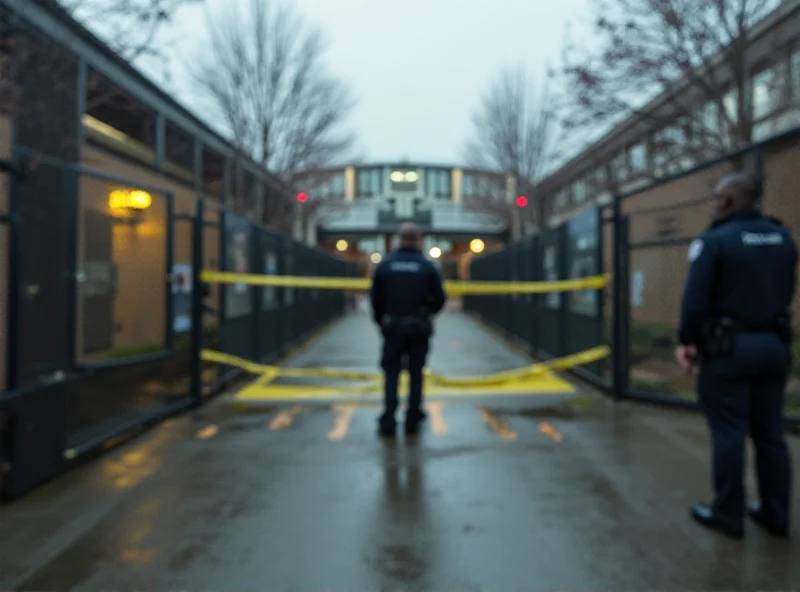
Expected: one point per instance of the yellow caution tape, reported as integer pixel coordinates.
(452, 287)
(271, 372)
(262, 369)
(563, 363)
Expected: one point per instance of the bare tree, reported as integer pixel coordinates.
(514, 130)
(263, 72)
(680, 68)
(130, 27)
(321, 200)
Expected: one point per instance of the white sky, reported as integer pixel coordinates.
(416, 67)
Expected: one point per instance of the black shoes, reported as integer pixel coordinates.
(388, 429)
(704, 515)
(757, 516)
(413, 421)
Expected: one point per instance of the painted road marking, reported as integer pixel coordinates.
(341, 424)
(436, 417)
(285, 418)
(498, 426)
(549, 430)
(208, 432)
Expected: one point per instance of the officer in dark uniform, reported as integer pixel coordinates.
(406, 292)
(735, 321)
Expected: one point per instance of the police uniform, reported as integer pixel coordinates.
(406, 291)
(735, 310)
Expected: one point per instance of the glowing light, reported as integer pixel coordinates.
(302, 197)
(376, 258)
(125, 199)
(522, 201)
(476, 246)
(435, 252)
(397, 177)
(411, 176)
(341, 245)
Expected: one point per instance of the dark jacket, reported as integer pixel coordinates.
(405, 283)
(743, 267)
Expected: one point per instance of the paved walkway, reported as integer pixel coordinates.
(561, 492)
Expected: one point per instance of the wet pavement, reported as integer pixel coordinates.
(555, 492)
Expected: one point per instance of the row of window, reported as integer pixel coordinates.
(370, 182)
(664, 152)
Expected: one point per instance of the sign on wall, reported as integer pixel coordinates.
(238, 299)
(584, 235)
(637, 288)
(270, 293)
(550, 268)
(182, 297)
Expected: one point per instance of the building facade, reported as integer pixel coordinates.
(358, 209)
(88, 135)
(631, 155)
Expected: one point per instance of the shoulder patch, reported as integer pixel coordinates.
(695, 249)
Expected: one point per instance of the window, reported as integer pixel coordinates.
(766, 93)
(579, 191)
(437, 183)
(730, 103)
(337, 185)
(369, 182)
(600, 178)
(637, 157)
(468, 188)
(619, 169)
(795, 75)
(561, 199)
(709, 119)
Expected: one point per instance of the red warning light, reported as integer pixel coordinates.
(302, 197)
(522, 201)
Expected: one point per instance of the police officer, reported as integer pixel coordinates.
(735, 322)
(406, 292)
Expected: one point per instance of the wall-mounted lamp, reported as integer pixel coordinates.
(476, 245)
(127, 199)
(341, 245)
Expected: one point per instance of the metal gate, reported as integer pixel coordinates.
(90, 307)
(558, 323)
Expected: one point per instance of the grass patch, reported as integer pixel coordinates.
(181, 343)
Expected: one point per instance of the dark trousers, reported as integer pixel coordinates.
(740, 393)
(400, 351)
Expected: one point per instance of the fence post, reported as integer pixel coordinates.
(620, 370)
(256, 256)
(197, 305)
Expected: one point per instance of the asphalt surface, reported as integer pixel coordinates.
(539, 493)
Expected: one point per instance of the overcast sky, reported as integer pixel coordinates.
(416, 67)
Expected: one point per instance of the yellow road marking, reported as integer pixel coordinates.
(208, 432)
(500, 427)
(438, 425)
(285, 418)
(549, 430)
(344, 415)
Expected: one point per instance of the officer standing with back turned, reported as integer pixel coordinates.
(736, 323)
(406, 292)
